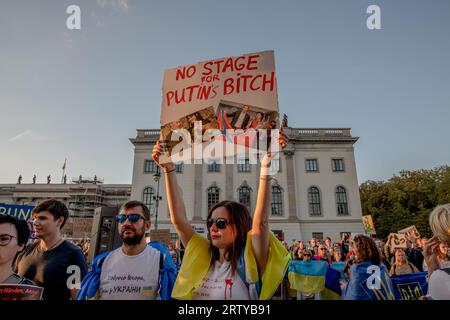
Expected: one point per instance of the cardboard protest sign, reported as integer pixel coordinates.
(20, 292)
(411, 233)
(233, 98)
(398, 240)
(369, 227)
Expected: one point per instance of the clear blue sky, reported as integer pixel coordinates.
(82, 94)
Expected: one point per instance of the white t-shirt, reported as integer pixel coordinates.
(126, 277)
(219, 284)
(439, 285)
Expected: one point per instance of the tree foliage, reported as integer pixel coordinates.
(405, 199)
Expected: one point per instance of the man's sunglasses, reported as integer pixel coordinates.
(307, 255)
(220, 223)
(134, 217)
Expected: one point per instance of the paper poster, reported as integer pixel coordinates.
(369, 227)
(411, 233)
(398, 240)
(232, 97)
(20, 292)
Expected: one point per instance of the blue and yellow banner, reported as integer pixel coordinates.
(307, 276)
(410, 286)
(19, 211)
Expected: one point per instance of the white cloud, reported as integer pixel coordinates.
(122, 5)
(21, 136)
(27, 135)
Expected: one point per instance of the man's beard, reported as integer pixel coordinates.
(134, 239)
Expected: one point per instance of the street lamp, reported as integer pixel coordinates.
(157, 177)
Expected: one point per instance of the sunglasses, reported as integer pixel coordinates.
(220, 223)
(307, 255)
(134, 217)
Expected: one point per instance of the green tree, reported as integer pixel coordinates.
(406, 199)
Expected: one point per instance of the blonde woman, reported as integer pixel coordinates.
(401, 265)
(439, 278)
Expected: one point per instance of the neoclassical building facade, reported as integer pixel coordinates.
(315, 192)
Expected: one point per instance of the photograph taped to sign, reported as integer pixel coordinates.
(411, 233)
(398, 240)
(369, 227)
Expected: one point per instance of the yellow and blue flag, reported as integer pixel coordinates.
(368, 282)
(410, 286)
(307, 276)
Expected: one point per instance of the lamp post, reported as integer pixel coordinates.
(157, 177)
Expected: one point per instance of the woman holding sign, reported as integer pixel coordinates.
(234, 262)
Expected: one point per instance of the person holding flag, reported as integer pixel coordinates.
(236, 253)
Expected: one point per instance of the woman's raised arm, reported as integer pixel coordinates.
(260, 225)
(174, 199)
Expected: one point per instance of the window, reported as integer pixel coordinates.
(337, 165)
(311, 165)
(214, 167)
(275, 165)
(277, 201)
(150, 166)
(318, 235)
(173, 237)
(341, 201)
(314, 201)
(147, 198)
(243, 165)
(179, 167)
(213, 196)
(244, 196)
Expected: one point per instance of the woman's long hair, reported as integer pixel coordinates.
(240, 217)
(366, 249)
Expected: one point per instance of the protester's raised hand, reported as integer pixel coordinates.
(158, 155)
(430, 249)
(282, 143)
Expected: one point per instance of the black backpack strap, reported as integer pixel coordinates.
(100, 263)
(161, 260)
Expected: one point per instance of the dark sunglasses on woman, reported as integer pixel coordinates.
(220, 223)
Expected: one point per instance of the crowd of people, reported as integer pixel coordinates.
(240, 259)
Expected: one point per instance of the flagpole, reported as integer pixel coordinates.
(63, 170)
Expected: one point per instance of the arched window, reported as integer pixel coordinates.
(314, 201)
(147, 198)
(244, 196)
(277, 201)
(341, 201)
(213, 196)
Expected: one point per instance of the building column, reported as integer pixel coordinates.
(198, 193)
(229, 185)
(290, 177)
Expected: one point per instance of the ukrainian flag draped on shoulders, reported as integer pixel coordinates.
(197, 261)
(360, 287)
